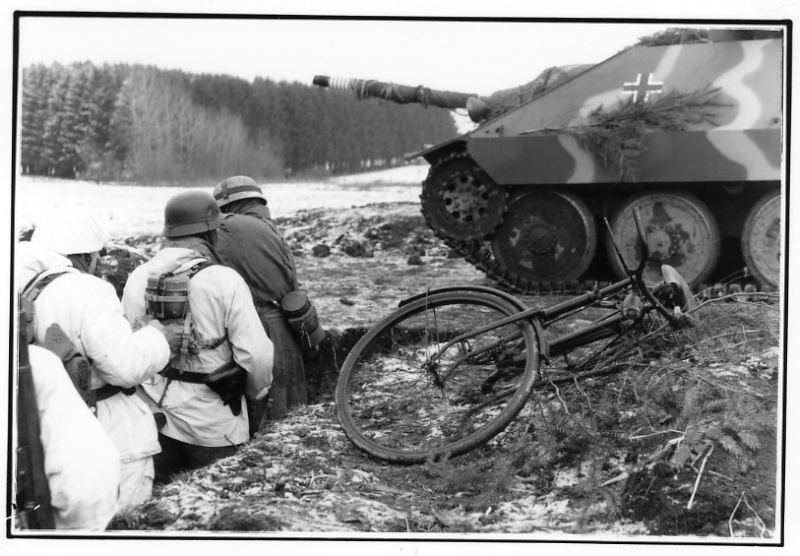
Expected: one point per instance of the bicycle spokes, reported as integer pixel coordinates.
(413, 389)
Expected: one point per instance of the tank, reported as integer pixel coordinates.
(685, 127)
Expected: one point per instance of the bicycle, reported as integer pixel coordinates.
(452, 367)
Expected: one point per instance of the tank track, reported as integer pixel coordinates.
(479, 254)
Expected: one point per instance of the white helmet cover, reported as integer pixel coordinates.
(70, 231)
(236, 188)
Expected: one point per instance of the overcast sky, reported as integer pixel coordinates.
(471, 57)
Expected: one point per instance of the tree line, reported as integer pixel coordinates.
(148, 125)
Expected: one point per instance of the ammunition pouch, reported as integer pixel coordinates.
(76, 365)
(302, 316)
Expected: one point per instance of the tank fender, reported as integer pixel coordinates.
(440, 150)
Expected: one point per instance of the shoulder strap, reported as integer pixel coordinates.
(200, 266)
(29, 295)
(190, 269)
(31, 292)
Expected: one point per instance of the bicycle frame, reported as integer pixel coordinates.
(640, 301)
(409, 391)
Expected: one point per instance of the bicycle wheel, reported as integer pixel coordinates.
(409, 393)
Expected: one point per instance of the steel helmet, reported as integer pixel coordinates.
(191, 212)
(236, 188)
(70, 231)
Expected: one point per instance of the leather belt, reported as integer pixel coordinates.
(270, 308)
(108, 390)
(186, 376)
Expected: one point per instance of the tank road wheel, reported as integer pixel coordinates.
(460, 201)
(681, 232)
(761, 239)
(546, 236)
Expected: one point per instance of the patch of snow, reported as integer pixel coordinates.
(133, 210)
(565, 477)
(570, 476)
(408, 174)
(534, 513)
(621, 527)
(360, 476)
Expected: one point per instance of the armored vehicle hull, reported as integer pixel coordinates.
(690, 134)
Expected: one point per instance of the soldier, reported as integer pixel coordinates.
(200, 428)
(59, 264)
(81, 464)
(250, 243)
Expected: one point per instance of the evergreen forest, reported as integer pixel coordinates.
(147, 125)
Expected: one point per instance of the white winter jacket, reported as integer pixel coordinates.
(88, 310)
(222, 308)
(81, 463)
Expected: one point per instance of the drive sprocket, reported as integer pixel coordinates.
(460, 202)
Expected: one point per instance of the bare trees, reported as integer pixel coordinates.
(144, 124)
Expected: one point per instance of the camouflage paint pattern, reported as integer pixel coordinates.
(717, 178)
(744, 145)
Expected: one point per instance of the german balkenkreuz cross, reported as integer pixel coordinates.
(641, 91)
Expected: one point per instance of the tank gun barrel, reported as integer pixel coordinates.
(403, 94)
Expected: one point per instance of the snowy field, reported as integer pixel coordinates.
(129, 210)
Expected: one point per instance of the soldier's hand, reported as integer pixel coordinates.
(172, 332)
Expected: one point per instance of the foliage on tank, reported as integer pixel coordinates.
(617, 137)
(674, 35)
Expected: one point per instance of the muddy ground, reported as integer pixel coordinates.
(682, 442)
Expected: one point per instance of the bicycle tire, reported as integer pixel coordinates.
(399, 402)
